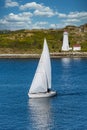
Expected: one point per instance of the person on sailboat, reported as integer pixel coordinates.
(48, 90)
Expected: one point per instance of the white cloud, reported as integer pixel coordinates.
(77, 15)
(72, 20)
(61, 15)
(9, 3)
(25, 16)
(43, 13)
(14, 26)
(39, 9)
(32, 5)
(60, 25)
(73, 15)
(39, 25)
(16, 21)
(53, 25)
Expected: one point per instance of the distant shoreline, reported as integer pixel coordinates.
(53, 55)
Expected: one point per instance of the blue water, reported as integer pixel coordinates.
(66, 111)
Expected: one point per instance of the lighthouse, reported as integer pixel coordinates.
(65, 46)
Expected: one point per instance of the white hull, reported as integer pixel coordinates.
(42, 95)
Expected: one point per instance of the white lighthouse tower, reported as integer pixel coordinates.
(65, 46)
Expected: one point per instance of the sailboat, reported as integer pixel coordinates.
(41, 84)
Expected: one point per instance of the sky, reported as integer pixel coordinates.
(41, 14)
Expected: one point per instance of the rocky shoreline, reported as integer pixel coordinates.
(53, 55)
(69, 54)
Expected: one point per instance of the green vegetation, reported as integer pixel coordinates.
(31, 41)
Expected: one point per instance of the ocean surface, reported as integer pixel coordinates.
(66, 111)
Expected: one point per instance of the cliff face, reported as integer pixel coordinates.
(83, 28)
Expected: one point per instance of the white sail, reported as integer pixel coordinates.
(47, 63)
(42, 78)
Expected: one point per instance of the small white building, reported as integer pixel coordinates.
(76, 47)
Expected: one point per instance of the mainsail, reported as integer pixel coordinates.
(42, 78)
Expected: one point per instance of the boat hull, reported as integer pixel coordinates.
(42, 95)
